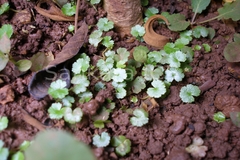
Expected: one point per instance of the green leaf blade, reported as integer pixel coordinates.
(230, 10)
(199, 5)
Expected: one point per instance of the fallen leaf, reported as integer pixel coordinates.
(53, 12)
(41, 60)
(57, 69)
(151, 37)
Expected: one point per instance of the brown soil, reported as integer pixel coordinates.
(172, 125)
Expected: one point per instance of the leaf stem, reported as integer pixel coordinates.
(211, 19)
(193, 18)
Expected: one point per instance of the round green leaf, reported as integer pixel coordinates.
(23, 65)
(231, 52)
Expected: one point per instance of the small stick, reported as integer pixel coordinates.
(76, 16)
(32, 121)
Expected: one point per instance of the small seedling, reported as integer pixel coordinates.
(200, 31)
(157, 90)
(3, 123)
(140, 117)
(107, 42)
(138, 31)
(219, 117)
(149, 72)
(174, 74)
(58, 89)
(74, 116)
(101, 117)
(80, 83)
(206, 47)
(119, 75)
(122, 144)
(150, 12)
(85, 96)
(138, 84)
(69, 9)
(4, 152)
(140, 54)
(4, 8)
(56, 111)
(68, 101)
(187, 92)
(104, 24)
(95, 37)
(101, 141)
(71, 28)
(176, 58)
(81, 65)
(134, 99)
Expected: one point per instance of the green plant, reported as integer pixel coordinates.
(138, 31)
(58, 89)
(101, 141)
(140, 117)
(6, 32)
(56, 111)
(150, 12)
(52, 146)
(104, 24)
(102, 116)
(122, 145)
(71, 28)
(3, 123)
(188, 92)
(231, 50)
(219, 117)
(95, 38)
(157, 90)
(69, 9)
(4, 8)
(73, 116)
(19, 155)
(4, 152)
(198, 6)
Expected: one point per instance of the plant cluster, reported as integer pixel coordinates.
(58, 90)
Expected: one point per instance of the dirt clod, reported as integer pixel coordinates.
(6, 94)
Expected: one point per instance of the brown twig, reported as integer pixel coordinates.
(76, 16)
(32, 121)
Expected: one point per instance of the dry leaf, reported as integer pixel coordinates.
(151, 37)
(53, 11)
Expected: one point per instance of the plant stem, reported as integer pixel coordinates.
(211, 19)
(193, 18)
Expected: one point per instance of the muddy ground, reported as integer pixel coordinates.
(172, 125)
